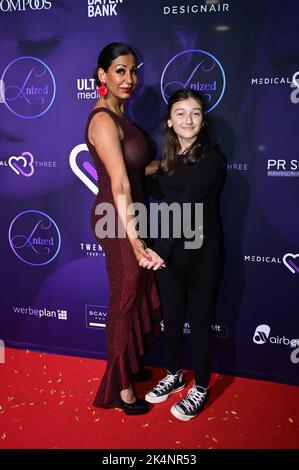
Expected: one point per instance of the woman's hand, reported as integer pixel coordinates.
(155, 263)
(139, 248)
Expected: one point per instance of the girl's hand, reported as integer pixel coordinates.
(152, 168)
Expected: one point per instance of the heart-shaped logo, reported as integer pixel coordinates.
(26, 159)
(291, 262)
(88, 167)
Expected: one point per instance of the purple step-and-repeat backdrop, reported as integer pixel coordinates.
(243, 55)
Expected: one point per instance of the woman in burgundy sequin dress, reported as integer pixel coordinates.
(122, 155)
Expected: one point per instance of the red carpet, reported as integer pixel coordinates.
(46, 403)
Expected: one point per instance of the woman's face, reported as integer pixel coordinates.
(186, 118)
(121, 76)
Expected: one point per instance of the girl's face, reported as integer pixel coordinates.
(186, 118)
(121, 76)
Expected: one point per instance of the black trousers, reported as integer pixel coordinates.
(194, 286)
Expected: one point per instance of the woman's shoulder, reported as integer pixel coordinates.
(102, 125)
(102, 115)
(102, 120)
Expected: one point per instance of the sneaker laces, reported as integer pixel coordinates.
(194, 399)
(165, 383)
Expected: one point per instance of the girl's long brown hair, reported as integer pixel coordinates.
(171, 145)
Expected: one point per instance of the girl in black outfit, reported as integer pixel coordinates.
(191, 171)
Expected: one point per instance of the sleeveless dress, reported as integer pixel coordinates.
(133, 314)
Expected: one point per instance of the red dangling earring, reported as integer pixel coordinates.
(103, 90)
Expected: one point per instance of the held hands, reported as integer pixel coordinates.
(152, 260)
(139, 248)
(146, 257)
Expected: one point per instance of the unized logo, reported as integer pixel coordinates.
(261, 334)
(96, 316)
(22, 165)
(34, 238)
(83, 169)
(291, 262)
(28, 87)
(198, 70)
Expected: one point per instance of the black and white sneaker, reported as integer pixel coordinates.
(190, 407)
(168, 385)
